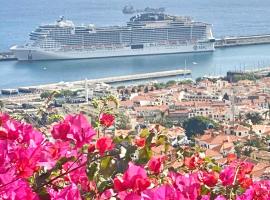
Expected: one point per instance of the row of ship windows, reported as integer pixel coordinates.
(130, 36)
(116, 30)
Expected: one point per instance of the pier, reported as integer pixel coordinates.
(242, 40)
(119, 79)
(109, 80)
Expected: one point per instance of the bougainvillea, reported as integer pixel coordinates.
(72, 162)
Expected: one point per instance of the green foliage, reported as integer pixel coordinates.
(254, 117)
(254, 143)
(250, 76)
(146, 89)
(186, 81)
(170, 83)
(66, 93)
(45, 94)
(159, 86)
(197, 125)
(54, 118)
(199, 79)
(226, 97)
(122, 121)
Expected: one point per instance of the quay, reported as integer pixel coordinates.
(109, 80)
(231, 41)
(119, 79)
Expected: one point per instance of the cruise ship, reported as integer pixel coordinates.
(144, 34)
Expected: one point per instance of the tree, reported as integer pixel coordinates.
(146, 89)
(226, 97)
(159, 86)
(254, 117)
(197, 125)
(133, 90)
(45, 94)
(267, 112)
(123, 121)
(170, 83)
(199, 79)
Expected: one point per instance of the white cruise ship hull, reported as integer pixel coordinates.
(28, 53)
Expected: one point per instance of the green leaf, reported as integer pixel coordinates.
(104, 185)
(149, 139)
(144, 133)
(144, 155)
(204, 190)
(105, 162)
(162, 139)
(216, 168)
(91, 170)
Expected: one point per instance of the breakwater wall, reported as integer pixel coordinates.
(231, 41)
(108, 80)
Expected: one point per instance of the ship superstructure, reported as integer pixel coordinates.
(144, 34)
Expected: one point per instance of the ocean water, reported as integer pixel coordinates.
(229, 17)
(14, 74)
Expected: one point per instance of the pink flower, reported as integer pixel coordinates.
(26, 161)
(91, 148)
(69, 192)
(140, 142)
(129, 196)
(106, 119)
(258, 191)
(104, 144)
(208, 178)
(79, 176)
(134, 178)
(107, 194)
(74, 128)
(227, 175)
(61, 130)
(220, 197)
(205, 197)
(18, 190)
(246, 167)
(188, 185)
(163, 192)
(245, 182)
(155, 164)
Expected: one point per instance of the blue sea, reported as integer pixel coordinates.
(229, 17)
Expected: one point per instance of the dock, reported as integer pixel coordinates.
(108, 80)
(118, 79)
(231, 41)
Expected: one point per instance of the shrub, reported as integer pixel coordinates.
(73, 163)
